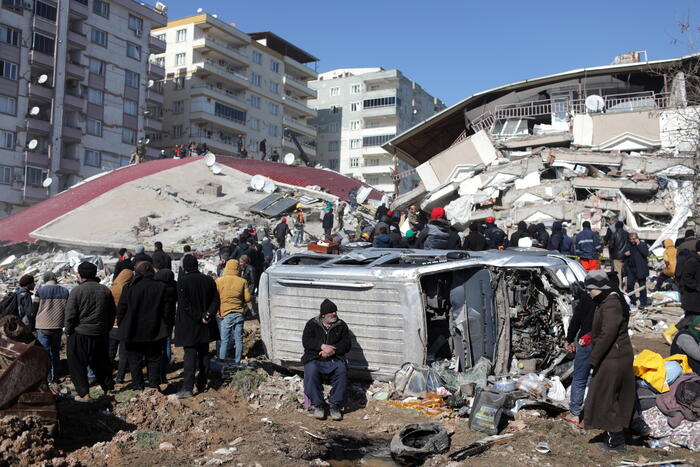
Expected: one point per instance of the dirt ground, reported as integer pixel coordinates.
(239, 424)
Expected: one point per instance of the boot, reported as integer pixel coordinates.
(612, 442)
(638, 427)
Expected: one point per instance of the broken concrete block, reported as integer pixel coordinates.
(212, 189)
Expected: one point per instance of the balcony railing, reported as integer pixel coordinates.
(239, 96)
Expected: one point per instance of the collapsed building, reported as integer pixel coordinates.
(573, 146)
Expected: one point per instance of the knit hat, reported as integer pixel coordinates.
(25, 280)
(694, 322)
(437, 213)
(410, 233)
(328, 306)
(597, 280)
(189, 263)
(49, 276)
(139, 249)
(87, 270)
(284, 219)
(490, 220)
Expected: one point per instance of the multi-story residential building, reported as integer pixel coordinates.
(359, 109)
(74, 78)
(233, 90)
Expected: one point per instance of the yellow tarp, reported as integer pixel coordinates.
(650, 366)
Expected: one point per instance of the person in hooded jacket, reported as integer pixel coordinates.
(690, 288)
(588, 247)
(669, 270)
(383, 240)
(436, 233)
(395, 236)
(534, 234)
(143, 317)
(542, 235)
(115, 346)
(518, 234)
(637, 268)
(559, 240)
(495, 237)
(618, 248)
(475, 241)
(195, 324)
(281, 231)
(167, 277)
(234, 294)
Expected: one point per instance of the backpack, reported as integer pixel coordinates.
(9, 305)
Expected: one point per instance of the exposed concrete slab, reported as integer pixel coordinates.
(625, 185)
(581, 157)
(655, 209)
(652, 164)
(536, 140)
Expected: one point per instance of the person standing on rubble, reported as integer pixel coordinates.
(25, 303)
(686, 248)
(588, 247)
(90, 313)
(475, 241)
(49, 320)
(123, 262)
(669, 271)
(518, 234)
(234, 294)
(195, 324)
(299, 222)
(618, 248)
(578, 341)
(637, 269)
(326, 341)
(556, 240)
(690, 288)
(281, 231)
(340, 215)
(161, 258)
(495, 237)
(167, 277)
(268, 252)
(381, 211)
(436, 234)
(248, 273)
(115, 346)
(327, 222)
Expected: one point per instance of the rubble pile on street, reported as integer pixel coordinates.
(26, 441)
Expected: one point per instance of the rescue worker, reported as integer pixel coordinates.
(495, 237)
(588, 247)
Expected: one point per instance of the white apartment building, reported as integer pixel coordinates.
(74, 90)
(232, 90)
(359, 109)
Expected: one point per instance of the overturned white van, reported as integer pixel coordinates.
(417, 306)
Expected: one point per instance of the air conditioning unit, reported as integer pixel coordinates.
(138, 32)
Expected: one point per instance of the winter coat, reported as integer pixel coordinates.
(268, 249)
(475, 241)
(118, 284)
(690, 284)
(52, 306)
(138, 257)
(588, 244)
(619, 244)
(636, 264)
(233, 290)
(518, 234)
(582, 319)
(612, 391)
(435, 235)
(382, 241)
(542, 235)
(248, 274)
(567, 244)
(315, 334)
(682, 401)
(241, 249)
(670, 253)
(557, 237)
(328, 220)
(167, 277)
(281, 231)
(142, 311)
(395, 239)
(90, 310)
(197, 298)
(381, 211)
(120, 266)
(162, 259)
(495, 237)
(25, 306)
(685, 250)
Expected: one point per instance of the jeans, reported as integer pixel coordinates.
(579, 381)
(633, 281)
(315, 370)
(51, 341)
(299, 236)
(231, 329)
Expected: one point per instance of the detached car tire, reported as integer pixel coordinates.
(419, 441)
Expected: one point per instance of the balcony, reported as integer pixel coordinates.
(153, 124)
(208, 44)
(230, 75)
(373, 151)
(384, 111)
(75, 102)
(75, 70)
(35, 193)
(34, 125)
(236, 99)
(153, 96)
(79, 9)
(219, 146)
(299, 87)
(37, 91)
(69, 165)
(298, 70)
(299, 127)
(42, 25)
(38, 159)
(156, 45)
(377, 169)
(77, 40)
(72, 134)
(155, 71)
(40, 59)
(201, 115)
(298, 106)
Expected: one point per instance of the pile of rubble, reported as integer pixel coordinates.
(26, 441)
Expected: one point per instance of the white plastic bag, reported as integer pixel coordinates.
(556, 392)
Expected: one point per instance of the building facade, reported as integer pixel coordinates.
(231, 90)
(360, 109)
(74, 91)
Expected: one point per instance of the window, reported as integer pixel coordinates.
(177, 107)
(354, 162)
(5, 175)
(373, 162)
(273, 108)
(8, 105)
(354, 107)
(181, 35)
(334, 127)
(179, 82)
(334, 164)
(43, 44)
(160, 61)
(131, 107)
(100, 8)
(180, 59)
(94, 127)
(133, 51)
(98, 37)
(275, 66)
(335, 91)
(372, 179)
(355, 124)
(255, 123)
(161, 37)
(379, 102)
(135, 24)
(128, 136)
(272, 130)
(355, 143)
(95, 96)
(229, 113)
(255, 79)
(9, 35)
(7, 139)
(333, 145)
(13, 5)
(255, 101)
(93, 158)
(177, 131)
(8, 70)
(123, 161)
(376, 140)
(97, 66)
(274, 87)
(257, 57)
(34, 176)
(131, 78)
(44, 10)
(356, 88)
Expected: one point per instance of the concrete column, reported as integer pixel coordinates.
(59, 86)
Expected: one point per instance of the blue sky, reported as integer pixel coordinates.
(455, 48)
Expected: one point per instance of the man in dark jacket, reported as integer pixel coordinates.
(578, 340)
(618, 247)
(588, 247)
(685, 249)
(124, 262)
(690, 287)
(637, 268)
(495, 237)
(140, 255)
(281, 231)
(326, 341)
(328, 222)
(381, 211)
(89, 317)
(395, 236)
(436, 233)
(195, 324)
(382, 240)
(518, 234)
(161, 260)
(475, 241)
(167, 277)
(557, 238)
(25, 303)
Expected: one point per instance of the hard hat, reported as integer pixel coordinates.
(298, 206)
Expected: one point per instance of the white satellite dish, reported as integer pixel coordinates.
(199, 10)
(289, 158)
(47, 182)
(34, 111)
(595, 103)
(146, 141)
(269, 187)
(151, 83)
(257, 182)
(42, 79)
(33, 144)
(210, 159)
(215, 15)
(216, 169)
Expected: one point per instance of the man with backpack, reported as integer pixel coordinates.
(19, 302)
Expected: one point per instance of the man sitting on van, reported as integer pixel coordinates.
(326, 340)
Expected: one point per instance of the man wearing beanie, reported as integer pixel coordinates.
(50, 318)
(89, 317)
(140, 255)
(326, 341)
(437, 233)
(495, 237)
(25, 305)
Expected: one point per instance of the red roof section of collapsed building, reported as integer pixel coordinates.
(17, 227)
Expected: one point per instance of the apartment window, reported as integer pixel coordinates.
(5, 175)
(255, 101)
(180, 59)
(8, 105)
(272, 130)
(373, 162)
(356, 88)
(42, 43)
(255, 123)
(355, 143)
(177, 131)
(257, 57)
(44, 10)
(256, 79)
(355, 124)
(354, 107)
(274, 87)
(379, 102)
(93, 158)
(13, 5)
(273, 108)
(100, 8)
(229, 113)
(335, 91)
(177, 107)
(35, 176)
(8, 70)
(181, 35)
(9, 35)
(161, 37)
(275, 66)
(95, 96)
(128, 136)
(372, 179)
(133, 51)
(97, 66)
(7, 139)
(160, 61)
(131, 78)
(354, 162)
(130, 107)
(99, 37)
(376, 140)
(179, 82)
(334, 127)
(334, 164)
(135, 24)
(333, 145)
(94, 127)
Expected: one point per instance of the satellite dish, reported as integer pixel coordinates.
(595, 103)
(146, 141)
(199, 10)
(269, 187)
(257, 183)
(42, 79)
(210, 159)
(151, 83)
(216, 169)
(289, 158)
(33, 144)
(47, 182)
(34, 111)
(215, 15)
